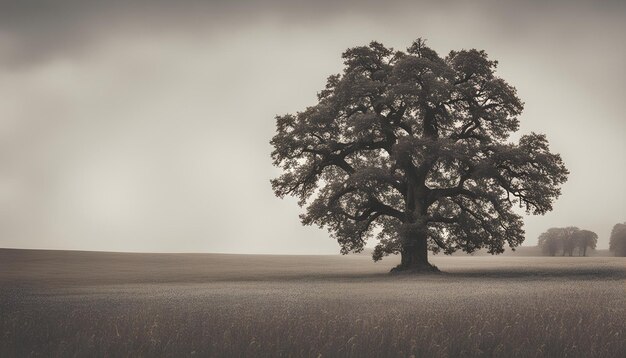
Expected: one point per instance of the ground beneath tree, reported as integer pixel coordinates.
(417, 270)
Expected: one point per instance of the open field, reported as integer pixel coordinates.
(61, 303)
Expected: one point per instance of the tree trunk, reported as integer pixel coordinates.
(415, 256)
(414, 231)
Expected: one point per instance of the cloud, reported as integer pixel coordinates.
(34, 32)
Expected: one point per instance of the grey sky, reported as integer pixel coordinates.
(144, 126)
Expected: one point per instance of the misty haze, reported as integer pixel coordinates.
(325, 179)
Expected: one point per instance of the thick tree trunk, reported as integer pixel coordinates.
(414, 233)
(415, 257)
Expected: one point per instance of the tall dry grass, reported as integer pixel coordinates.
(483, 306)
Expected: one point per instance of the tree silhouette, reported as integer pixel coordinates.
(412, 148)
(585, 239)
(569, 240)
(617, 242)
(551, 241)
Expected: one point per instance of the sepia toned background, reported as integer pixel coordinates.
(144, 125)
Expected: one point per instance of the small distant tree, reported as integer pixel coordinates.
(413, 148)
(551, 241)
(585, 239)
(569, 240)
(617, 242)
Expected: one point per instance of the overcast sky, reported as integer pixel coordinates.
(144, 126)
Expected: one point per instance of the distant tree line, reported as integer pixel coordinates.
(570, 240)
(617, 242)
(566, 240)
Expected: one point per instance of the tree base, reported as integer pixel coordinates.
(414, 269)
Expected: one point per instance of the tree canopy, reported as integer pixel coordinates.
(413, 148)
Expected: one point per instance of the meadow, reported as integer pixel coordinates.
(85, 304)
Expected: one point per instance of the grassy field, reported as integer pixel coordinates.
(59, 303)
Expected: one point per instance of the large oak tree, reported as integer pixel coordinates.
(412, 148)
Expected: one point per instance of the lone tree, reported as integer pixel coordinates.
(413, 148)
(617, 242)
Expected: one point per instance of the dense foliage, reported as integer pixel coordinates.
(412, 148)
